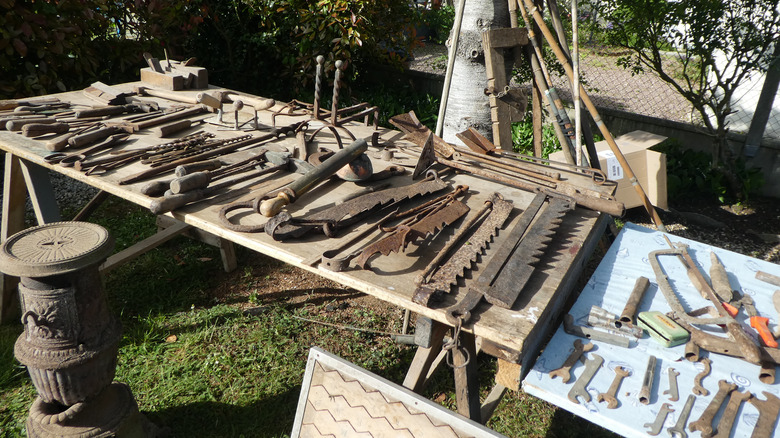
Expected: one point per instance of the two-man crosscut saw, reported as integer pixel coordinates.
(510, 267)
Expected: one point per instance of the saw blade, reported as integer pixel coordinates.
(518, 269)
(466, 255)
(354, 209)
(420, 230)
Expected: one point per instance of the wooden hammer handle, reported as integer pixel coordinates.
(270, 207)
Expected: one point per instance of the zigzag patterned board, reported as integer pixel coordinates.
(339, 399)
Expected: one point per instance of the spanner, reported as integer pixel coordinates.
(673, 392)
(726, 422)
(704, 423)
(656, 426)
(698, 389)
(564, 371)
(678, 430)
(611, 395)
(592, 365)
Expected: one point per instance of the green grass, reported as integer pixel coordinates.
(197, 364)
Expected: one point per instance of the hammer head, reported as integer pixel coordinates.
(427, 158)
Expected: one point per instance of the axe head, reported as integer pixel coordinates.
(427, 158)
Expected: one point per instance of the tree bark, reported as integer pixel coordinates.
(467, 105)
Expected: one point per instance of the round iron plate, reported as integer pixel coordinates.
(54, 249)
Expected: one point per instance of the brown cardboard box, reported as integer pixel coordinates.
(648, 166)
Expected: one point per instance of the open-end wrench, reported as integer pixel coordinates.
(730, 413)
(678, 430)
(698, 389)
(611, 395)
(704, 423)
(674, 393)
(656, 426)
(592, 365)
(767, 415)
(564, 371)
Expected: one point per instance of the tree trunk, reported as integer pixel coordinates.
(467, 105)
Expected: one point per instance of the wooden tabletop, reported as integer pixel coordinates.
(516, 331)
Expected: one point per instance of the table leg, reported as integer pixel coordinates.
(464, 361)
(14, 197)
(425, 357)
(41, 192)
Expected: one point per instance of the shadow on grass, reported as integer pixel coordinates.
(269, 417)
(566, 424)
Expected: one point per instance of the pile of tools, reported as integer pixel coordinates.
(698, 329)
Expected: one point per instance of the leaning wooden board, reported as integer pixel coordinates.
(518, 332)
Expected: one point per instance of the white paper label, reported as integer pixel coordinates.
(614, 170)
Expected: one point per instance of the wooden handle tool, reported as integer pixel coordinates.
(270, 207)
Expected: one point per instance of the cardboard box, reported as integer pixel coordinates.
(648, 166)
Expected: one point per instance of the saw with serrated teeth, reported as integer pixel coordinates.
(436, 215)
(283, 226)
(462, 250)
(521, 264)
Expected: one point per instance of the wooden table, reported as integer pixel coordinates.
(514, 336)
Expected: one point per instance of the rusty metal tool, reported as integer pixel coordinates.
(629, 311)
(673, 391)
(329, 221)
(579, 389)
(769, 357)
(564, 371)
(647, 381)
(726, 422)
(768, 278)
(270, 207)
(497, 261)
(435, 150)
(678, 430)
(444, 213)
(336, 85)
(704, 423)
(439, 276)
(767, 415)
(698, 388)
(759, 323)
(655, 427)
(188, 178)
(69, 160)
(590, 333)
(317, 86)
(330, 259)
(517, 270)
(746, 347)
(610, 397)
(174, 201)
(227, 146)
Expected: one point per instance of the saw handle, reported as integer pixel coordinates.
(759, 323)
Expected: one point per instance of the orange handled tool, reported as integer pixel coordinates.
(759, 323)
